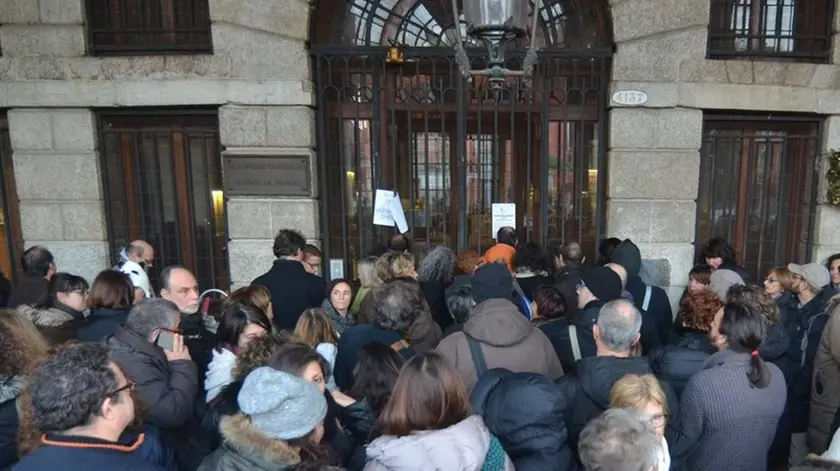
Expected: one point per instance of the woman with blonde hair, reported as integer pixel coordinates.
(316, 329)
(644, 394)
(427, 424)
(22, 349)
(367, 281)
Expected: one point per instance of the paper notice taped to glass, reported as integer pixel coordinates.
(388, 210)
(504, 215)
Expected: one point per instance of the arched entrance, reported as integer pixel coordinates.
(452, 146)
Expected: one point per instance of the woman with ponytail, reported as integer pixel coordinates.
(729, 410)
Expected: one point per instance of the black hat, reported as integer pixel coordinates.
(603, 283)
(491, 281)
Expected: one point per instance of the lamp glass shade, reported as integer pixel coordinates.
(495, 15)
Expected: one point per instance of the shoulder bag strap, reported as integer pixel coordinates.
(646, 303)
(573, 338)
(477, 356)
(518, 288)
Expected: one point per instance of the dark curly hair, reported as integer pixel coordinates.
(22, 348)
(68, 389)
(396, 305)
(288, 243)
(700, 309)
(259, 352)
(551, 304)
(534, 257)
(376, 372)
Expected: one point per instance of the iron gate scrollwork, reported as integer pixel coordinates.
(451, 146)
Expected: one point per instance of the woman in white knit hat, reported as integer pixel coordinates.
(280, 426)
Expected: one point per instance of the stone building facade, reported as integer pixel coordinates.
(260, 78)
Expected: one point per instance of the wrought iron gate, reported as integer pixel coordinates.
(451, 147)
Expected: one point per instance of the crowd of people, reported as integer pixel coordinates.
(524, 357)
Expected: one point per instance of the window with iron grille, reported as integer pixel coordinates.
(11, 245)
(758, 188)
(163, 184)
(126, 27)
(796, 29)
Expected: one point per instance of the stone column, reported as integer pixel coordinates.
(59, 186)
(654, 165)
(826, 236)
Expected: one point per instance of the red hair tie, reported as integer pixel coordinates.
(754, 353)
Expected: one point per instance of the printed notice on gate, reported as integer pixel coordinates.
(504, 214)
(388, 210)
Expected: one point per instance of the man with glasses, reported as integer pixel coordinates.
(811, 283)
(150, 349)
(312, 259)
(81, 401)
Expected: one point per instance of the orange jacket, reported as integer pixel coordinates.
(500, 253)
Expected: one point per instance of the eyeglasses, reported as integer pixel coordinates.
(131, 385)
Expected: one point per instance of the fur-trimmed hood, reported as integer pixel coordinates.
(243, 438)
(48, 317)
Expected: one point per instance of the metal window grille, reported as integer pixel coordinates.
(799, 30)
(163, 184)
(451, 147)
(758, 188)
(12, 243)
(121, 27)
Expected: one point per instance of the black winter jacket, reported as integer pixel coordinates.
(101, 323)
(677, 362)
(435, 293)
(169, 390)
(359, 422)
(10, 389)
(293, 290)
(588, 392)
(583, 321)
(527, 413)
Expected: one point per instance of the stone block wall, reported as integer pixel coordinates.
(57, 177)
(654, 148)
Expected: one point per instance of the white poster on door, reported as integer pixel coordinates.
(504, 214)
(382, 213)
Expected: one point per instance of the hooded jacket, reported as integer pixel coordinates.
(825, 400)
(527, 413)
(219, 372)
(810, 322)
(508, 340)
(627, 255)
(10, 389)
(460, 447)
(57, 324)
(587, 393)
(246, 448)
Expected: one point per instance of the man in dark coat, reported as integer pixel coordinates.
(588, 391)
(166, 380)
(526, 412)
(649, 298)
(38, 267)
(598, 286)
(82, 402)
(292, 288)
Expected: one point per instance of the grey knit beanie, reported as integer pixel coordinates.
(281, 405)
(722, 280)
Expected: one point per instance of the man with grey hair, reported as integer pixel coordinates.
(619, 440)
(150, 349)
(616, 333)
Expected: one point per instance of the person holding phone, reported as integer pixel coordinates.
(151, 351)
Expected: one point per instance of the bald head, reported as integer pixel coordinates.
(141, 251)
(620, 271)
(572, 254)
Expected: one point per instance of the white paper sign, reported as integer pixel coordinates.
(504, 214)
(336, 268)
(382, 215)
(388, 210)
